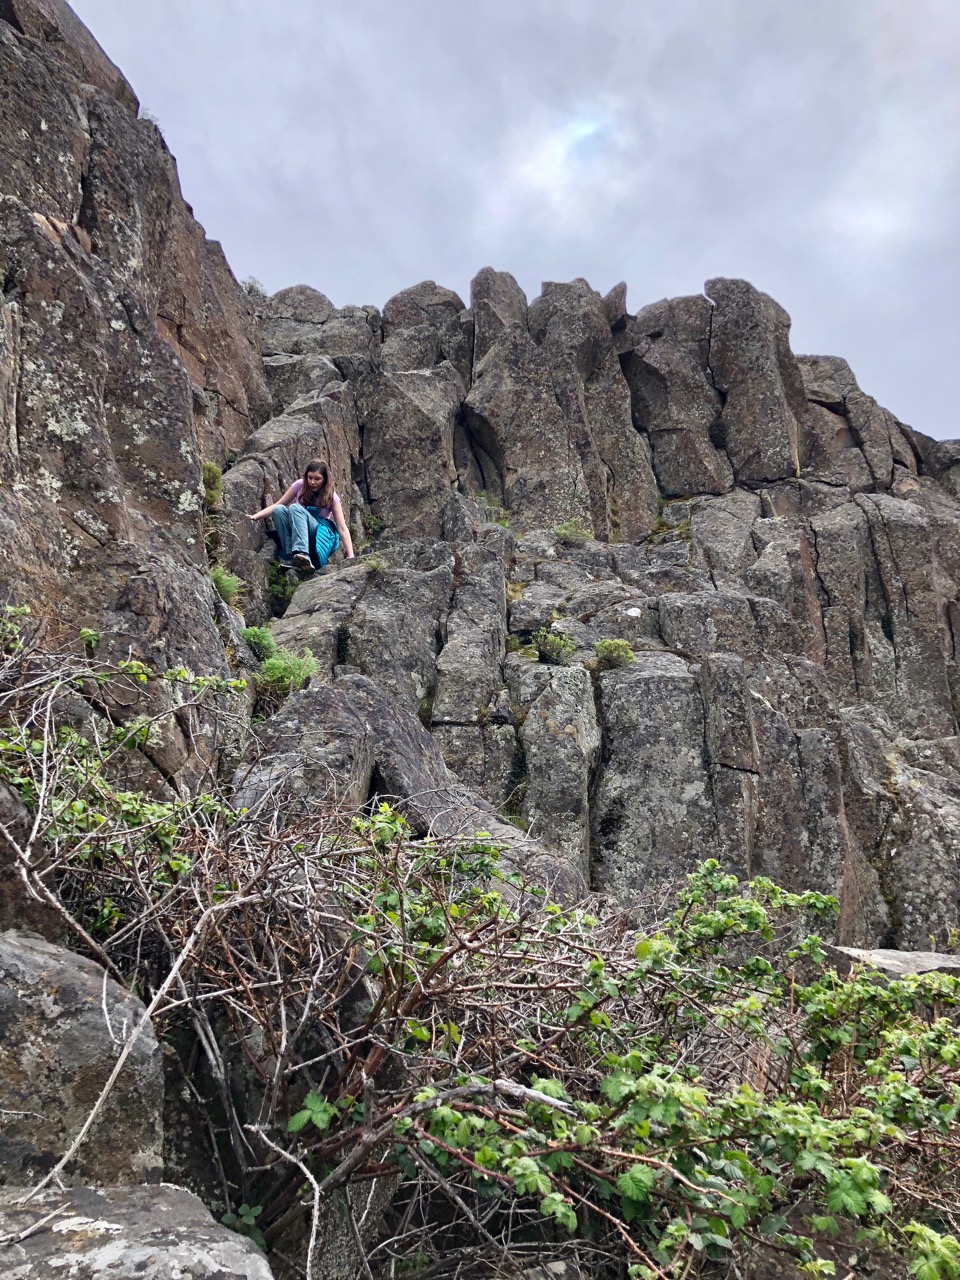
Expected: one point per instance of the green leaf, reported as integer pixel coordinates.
(636, 1182)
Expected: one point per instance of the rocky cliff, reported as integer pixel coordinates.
(778, 555)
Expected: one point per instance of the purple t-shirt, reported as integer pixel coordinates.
(326, 512)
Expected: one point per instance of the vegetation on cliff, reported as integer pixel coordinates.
(358, 1007)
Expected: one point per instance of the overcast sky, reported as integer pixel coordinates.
(812, 146)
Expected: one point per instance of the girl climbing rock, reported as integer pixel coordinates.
(309, 520)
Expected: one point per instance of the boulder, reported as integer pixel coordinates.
(62, 1024)
(568, 322)
(561, 744)
(652, 815)
(385, 620)
(426, 303)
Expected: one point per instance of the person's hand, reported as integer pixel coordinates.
(255, 519)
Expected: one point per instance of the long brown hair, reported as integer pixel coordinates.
(322, 497)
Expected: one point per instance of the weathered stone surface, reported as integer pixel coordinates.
(385, 623)
(124, 1233)
(317, 753)
(349, 336)
(130, 356)
(664, 353)
(568, 322)
(408, 422)
(302, 303)
(498, 303)
(55, 24)
(469, 664)
(561, 742)
(652, 814)
(615, 305)
(62, 1024)
(763, 420)
(485, 758)
(290, 377)
(426, 303)
(864, 426)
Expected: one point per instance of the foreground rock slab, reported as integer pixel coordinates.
(895, 964)
(124, 1233)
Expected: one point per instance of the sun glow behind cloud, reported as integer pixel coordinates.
(553, 172)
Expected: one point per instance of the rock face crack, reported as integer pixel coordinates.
(8, 14)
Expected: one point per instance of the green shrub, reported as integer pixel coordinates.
(281, 675)
(225, 584)
(372, 524)
(611, 654)
(375, 564)
(553, 647)
(573, 532)
(260, 642)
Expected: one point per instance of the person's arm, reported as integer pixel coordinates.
(283, 502)
(342, 527)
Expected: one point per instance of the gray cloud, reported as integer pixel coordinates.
(813, 148)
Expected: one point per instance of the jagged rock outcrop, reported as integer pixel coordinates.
(789, 597)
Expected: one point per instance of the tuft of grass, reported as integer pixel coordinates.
(573, 532)
(212, 485)
(375, 564)
(225, 584)
(260, 642)
(611, 654)
(553, 647)
(281, 675)
(372, 524)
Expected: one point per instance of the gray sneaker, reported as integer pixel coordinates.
(301, 560)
